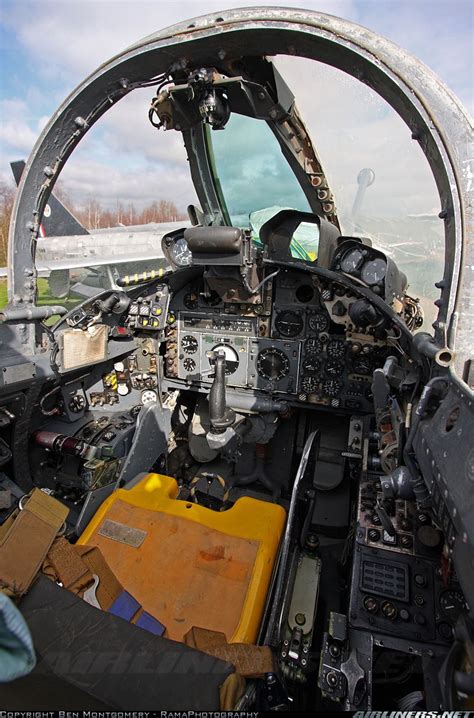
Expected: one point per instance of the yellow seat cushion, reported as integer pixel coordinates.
(194, 566)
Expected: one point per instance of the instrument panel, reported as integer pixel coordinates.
(289, 346)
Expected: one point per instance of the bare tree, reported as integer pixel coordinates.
(7, 196)
(91, 215)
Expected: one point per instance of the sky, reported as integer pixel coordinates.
(47, 48)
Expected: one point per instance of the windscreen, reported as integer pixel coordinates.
(383, 187)
(255, 181)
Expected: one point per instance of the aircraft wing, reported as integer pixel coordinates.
(66, 244)
(104, 247)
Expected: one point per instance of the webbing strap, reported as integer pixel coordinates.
(250, 661)
(27, 539)
(69, 568)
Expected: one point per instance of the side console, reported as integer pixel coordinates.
(402, 588)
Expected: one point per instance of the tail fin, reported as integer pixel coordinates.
(57, 219)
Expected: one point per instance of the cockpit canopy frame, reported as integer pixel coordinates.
(436, 119)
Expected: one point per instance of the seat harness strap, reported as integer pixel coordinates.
(26, 538)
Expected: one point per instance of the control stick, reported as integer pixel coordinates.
(220, 415)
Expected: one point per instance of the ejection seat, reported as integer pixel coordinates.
(189, 568)
(187, 565)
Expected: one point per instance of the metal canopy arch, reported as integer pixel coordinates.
(436, 118)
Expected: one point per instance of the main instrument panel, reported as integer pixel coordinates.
(295, 343)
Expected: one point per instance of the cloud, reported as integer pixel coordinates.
(353, 128)
(84, 178)
(439, 32)
(127, 130)
(15, 132)
(76, 37)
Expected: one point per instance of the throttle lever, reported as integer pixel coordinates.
(385, 519)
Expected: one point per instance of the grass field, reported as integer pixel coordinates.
(3, 293)
(44, 296)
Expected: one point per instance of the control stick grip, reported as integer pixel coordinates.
(220, 415)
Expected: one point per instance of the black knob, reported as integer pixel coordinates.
(389, 610)
(420, 580)
(374, 535)
(363, 314)
(338, 309)
(429, 536)
(370, 604)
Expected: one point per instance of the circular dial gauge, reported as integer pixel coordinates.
(336, 348)
(189, 364)
(333, 367)
(148, 396)
(313, 346)
(319, 323)
(362, 365)
(231, 358)
(189, 344)
(452, 603)
(180, 253)
(374, 272)
(311, 365)
(332, 387)
(309, 384)
(352, 261)
(272, 364)
(289, 323)
(191, 300)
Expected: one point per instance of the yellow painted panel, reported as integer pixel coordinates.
(217, 565)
